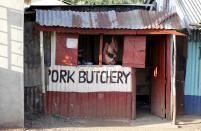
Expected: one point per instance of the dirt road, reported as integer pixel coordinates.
(144, 123)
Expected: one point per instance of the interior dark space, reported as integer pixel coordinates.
(143, 84)
(88, 49)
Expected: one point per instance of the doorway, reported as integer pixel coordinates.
(150, 81)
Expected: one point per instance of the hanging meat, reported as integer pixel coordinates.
(110, 52)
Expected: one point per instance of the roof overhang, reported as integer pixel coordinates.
(109, 31)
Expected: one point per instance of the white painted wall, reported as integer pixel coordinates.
(100, 78)
(11, 63)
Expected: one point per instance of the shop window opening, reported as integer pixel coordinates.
(112, 49)
(88, 49)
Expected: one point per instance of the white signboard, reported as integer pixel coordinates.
(71, 43)
(90, 79)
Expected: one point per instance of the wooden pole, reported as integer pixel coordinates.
(133, 102)
(173, 78)
(53, 48)
(101, 50)
(42, 62)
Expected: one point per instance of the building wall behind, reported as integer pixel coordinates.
(192, 88)
(32, 66)
(11, 63)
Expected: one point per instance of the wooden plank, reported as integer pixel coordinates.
(133, 96)
(53, 48)
(168, 90)
(85, 31)
(180, 78)
(42, 62)
(158, 77)
(173, 77)
(159, 32)
(65, 55)
(134, 51)
(101, 50)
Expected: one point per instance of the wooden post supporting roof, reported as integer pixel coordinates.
(173, 78)
(42, 62)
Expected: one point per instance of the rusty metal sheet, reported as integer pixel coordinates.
(89, 105)
(136, 19)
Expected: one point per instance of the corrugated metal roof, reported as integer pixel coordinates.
(191, 10)
(136, 19)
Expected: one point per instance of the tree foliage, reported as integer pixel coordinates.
(102, 2)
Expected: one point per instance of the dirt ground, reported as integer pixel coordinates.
(144, 122)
